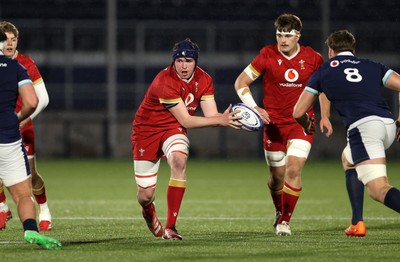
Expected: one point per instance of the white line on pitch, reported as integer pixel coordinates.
(226, 218)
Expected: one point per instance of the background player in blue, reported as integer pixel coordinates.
(353, 86)
(14, 165)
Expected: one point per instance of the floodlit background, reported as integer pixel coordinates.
(98, 57)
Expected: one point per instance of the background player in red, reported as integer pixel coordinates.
(159, 129)
(27, 129)
(286, 67)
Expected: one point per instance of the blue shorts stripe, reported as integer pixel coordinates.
(358, 151)
(28, 170)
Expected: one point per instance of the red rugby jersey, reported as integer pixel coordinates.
(33, 72)
(284, 78)
(166, 90)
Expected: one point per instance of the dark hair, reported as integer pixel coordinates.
(185, 48)
(288, 22)
(3, 36)
(341, 41)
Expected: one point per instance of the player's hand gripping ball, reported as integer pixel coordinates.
(251, 120)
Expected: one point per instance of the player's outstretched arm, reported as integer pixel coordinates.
(305, 101)
(186, 120)
(325, 123)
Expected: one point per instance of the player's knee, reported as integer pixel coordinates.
(145, 196)
(177, 161)
(293, 171)
(275, 159)
(378, 193)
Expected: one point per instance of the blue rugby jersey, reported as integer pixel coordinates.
(353, 85)
(12, 76)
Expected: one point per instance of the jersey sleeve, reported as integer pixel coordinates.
(314, 83)
(319, 60)
(23, 77)
(386, 73)
(209, 91)
(168, 92)
(259, 63)
(33, 71)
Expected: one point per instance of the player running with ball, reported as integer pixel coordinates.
(159, 129)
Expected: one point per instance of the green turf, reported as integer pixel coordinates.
(226, 215)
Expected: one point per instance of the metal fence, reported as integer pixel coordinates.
(73, 57)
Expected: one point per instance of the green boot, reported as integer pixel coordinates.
(34, 237)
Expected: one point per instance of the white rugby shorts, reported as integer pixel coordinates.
(14, 165)
(368, 138)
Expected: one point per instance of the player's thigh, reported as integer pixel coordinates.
(275, 146)
(14, 166)
(299, 143)
(175, 141)
(146, 159)
(146, 173)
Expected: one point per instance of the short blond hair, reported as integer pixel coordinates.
(8, 27)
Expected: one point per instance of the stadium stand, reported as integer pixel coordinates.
(67, 38)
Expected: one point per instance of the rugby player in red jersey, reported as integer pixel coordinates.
(159, 129)
(286, 67)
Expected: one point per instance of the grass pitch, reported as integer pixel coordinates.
(226, 215)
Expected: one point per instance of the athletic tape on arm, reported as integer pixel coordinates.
(246, 97)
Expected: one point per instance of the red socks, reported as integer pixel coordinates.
(176, 190)
(290, 196)
(2, 197)
(149, 210)
(40, 195)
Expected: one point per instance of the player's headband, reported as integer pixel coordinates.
(292, 32)
(185, 48)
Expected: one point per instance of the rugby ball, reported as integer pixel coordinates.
(251, 120)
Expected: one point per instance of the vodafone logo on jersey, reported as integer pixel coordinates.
(291, 75)
(334, 63)
(189, 99)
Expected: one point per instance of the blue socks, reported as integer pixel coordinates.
(30, 225)
(392, 199)
(355, 190)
